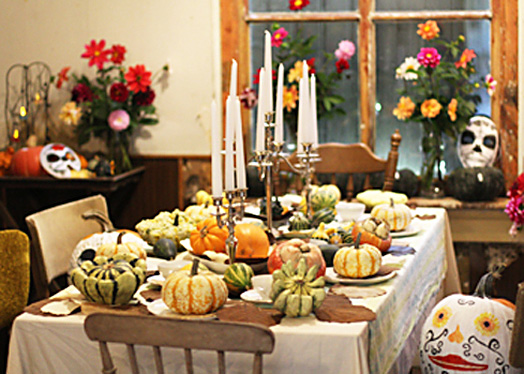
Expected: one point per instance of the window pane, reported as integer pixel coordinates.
(433, 5)
(314, 6)
(390, 54)
(332, 127)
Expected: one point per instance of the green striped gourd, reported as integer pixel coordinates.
(320, 233)
(299, 222)
(325, 215)
(323, 199)
(295, 291)
(111, 281)
(238, 278)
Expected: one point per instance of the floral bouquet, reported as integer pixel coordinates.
(291, 52)
(439, 91)
(515, 206)
(112, 105)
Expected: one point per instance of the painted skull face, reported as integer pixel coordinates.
(58, 160)
(479, 143)
(467, 334)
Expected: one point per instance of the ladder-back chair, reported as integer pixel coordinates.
(185, 334)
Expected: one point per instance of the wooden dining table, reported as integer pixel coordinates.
(388, 344)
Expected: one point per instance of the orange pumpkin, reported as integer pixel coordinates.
(208, 237)
(252, 241)
(369, 238)
(26, 162)
(5, 160)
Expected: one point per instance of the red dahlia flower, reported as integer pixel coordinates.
(298, 4)
(145, 98)
(62, 76)
(117, 54)
(96, 54)
(342, 65)
(82, 93)
(118, 92)
(138, 78)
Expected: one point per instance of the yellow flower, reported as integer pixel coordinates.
(487, 324)
(290, 98)
(70, 114)
(430, 108)
(442, 316)
(428, 30)
(296, 72)
(452, 110)
(404, 109)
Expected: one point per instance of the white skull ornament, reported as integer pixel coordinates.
(467, 334)
(478, 144)
(58, 160)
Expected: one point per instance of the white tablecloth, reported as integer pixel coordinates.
(303, 345)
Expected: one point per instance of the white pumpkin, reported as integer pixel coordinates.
(466, 333)
(397, 215)
(359, 261)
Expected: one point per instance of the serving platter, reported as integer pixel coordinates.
(253, 296)
(159, 308)
(413, 229)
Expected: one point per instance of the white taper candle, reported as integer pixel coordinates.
(313, 112)
(260, 131)
(239, 148)
(279, 112)
(233, 79)
(268, 65)
(230, 134)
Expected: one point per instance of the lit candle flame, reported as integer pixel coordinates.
(16, 135)
(23, 112)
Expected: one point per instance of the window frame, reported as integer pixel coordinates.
(503, 15)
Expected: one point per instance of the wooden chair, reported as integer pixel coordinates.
(516, 352)
(168, 332)
(338, 158)
(55, 232)
(14, 283)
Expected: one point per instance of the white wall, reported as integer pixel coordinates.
(184, 33)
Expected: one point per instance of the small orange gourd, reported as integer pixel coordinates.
(208, 237)
(252, 241)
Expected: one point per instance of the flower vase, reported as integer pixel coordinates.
(433, 149)
(117, 145)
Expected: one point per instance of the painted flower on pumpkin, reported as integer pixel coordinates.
(430, 108)
(96, 54)
(144, 98)
(342, 65)
(117, 53)
(118, 92)
(346, 50)
(278, 37)
(118, 120)
(407, 69)
(82, 93)
(428, 30)
(452, 110)
(298, 4)
(467, 56)
(138, 78)
(62, 77)
(405, 108)
(490, 84)
(487, 324)
(428, 57)
(70, 114)
(290, 98)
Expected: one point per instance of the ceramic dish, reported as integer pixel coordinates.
(333, 277)
(253, 296)
(413, 229)
(159, 308)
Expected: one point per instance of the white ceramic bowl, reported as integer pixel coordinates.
(166, 268)
(350, 211)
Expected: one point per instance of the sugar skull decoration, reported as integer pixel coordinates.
(478, 144)
(58, 160)
(468, 334)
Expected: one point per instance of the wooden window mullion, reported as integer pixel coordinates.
(367, 72)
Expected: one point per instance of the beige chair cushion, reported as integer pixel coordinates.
(56, 232)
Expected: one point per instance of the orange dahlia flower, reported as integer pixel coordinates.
(430, 108)
(404, 109)
(428, 30)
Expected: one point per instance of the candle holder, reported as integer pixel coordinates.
(268, 161)
(232, 215)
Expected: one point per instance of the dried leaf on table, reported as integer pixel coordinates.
(337, 308)
(247, 312)
(356, 292)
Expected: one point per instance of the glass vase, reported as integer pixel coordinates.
(118, 154)
(431, 180)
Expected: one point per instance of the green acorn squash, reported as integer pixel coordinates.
(476, 183)
(111, 281)
(323, 198)
(238, 278)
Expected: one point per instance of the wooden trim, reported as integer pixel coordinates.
(301, 17)
(504, 68)
(435, 15)
(171, 157)
(367, 76)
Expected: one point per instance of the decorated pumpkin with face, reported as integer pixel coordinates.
(467, 334)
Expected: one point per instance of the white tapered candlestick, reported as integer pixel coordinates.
(260, 131)
(230, 133)
(279, 112)
(239, 148)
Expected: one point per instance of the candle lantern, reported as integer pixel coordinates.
(26, 104)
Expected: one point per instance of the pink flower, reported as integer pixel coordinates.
(428, 57)
(278, 37)
(490, 84)
(345, 51)
(118, 120)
